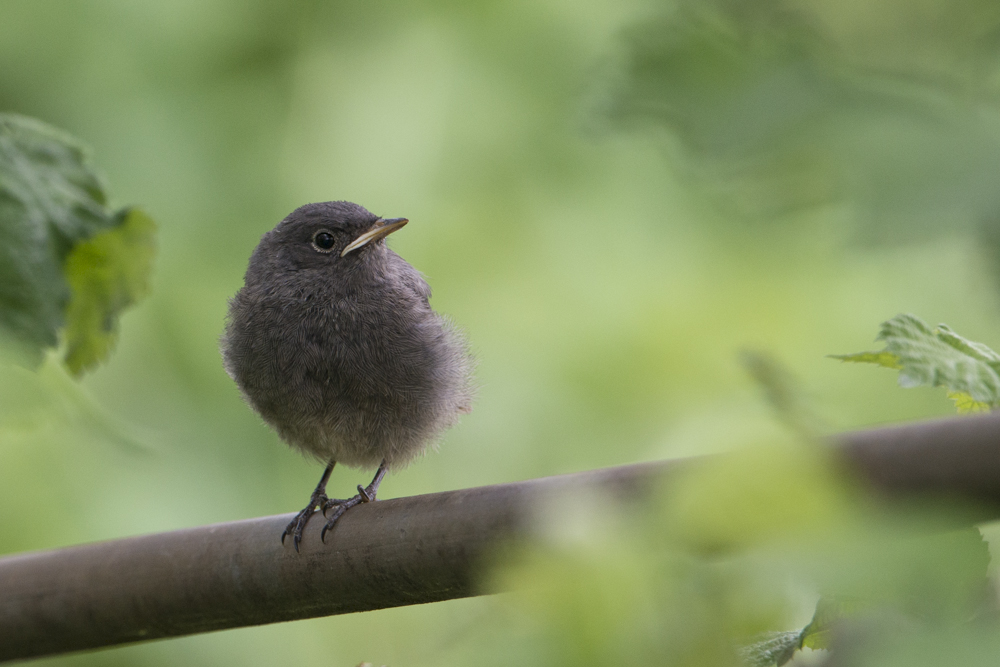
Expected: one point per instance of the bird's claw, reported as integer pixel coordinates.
(298, 524)
(339, 506)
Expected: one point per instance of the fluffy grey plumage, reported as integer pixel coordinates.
(333, 342)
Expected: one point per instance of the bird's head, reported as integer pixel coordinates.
(328, 235)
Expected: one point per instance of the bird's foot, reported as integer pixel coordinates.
(318, 500)
(339, 506)
(368, 493)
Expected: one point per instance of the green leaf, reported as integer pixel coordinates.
(885, 359)
(52, 200)
(829, 610)
(107, 274)
(774, 648)
(937, 357)
(777, 648)
(965, 404)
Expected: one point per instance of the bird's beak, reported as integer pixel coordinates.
(379, 230)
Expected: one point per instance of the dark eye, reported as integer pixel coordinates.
(323, 241)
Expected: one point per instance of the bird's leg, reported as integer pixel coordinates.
(366, 494)
(318, 500)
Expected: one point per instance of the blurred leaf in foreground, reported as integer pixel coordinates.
(45, 404)
(51, 202)
(783, 392)
(107, 274)
(714, 573)
(776, 107)
(937, 357)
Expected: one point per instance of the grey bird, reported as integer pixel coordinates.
(333, 342)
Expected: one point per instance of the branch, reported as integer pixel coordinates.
(386, 554)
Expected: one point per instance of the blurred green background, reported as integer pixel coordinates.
(612, 198)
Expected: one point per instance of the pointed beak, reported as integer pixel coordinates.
(379, 230)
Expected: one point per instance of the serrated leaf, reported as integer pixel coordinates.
(774, 648)
(51, 200)
(937, 357)
(106, 274)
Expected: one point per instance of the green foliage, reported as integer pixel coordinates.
(604, 308)
(884, 359)
(782, 106)
(937, 357)
(965, 404)
(724, 561)
(65, 258)
(107, 273)
(818, 633)
(774, 648)
(783, 393)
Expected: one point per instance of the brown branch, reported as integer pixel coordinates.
(386, 554)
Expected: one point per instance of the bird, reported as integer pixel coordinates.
(333, 342)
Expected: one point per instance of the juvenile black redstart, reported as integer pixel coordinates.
(333, 342)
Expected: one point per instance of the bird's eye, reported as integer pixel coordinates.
(323, 241)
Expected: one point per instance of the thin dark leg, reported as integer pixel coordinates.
(368, 494)
(365, 495)
(317, 501)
